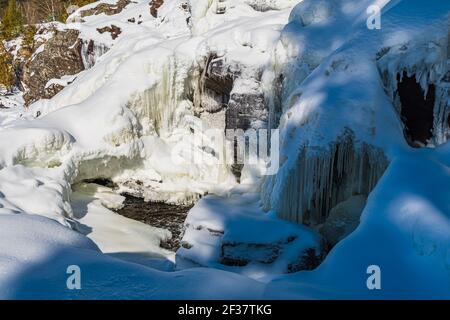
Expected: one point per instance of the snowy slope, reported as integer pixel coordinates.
(36, 252)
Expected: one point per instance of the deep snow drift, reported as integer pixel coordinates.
(349, 154)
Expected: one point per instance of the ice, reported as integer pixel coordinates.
(404, 230)
(223, 231)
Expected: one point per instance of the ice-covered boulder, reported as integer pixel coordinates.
(232, 231)
(310, 12)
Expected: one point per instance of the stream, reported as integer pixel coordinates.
(159, 215)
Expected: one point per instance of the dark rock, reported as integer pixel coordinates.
(106, 8)
(154, 6)
(216, 84)
(102, 182)
(309, 260)
(241, 254)
(113, 30)
(245, 109)
(61, 56)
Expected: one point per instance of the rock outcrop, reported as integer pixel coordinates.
(115, 31)
(59, 56)
(106, 8)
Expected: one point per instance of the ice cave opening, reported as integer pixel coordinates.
(417, 110)
(158, 214)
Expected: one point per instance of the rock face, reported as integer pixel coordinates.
(154, 6)
(159, 215)
(223, 87)
(60, 56)
(106, 8)
(230, 93)
(115, 31)
(286, 254)
(215, 85)
(241, 254)
(246, 110)
(6, 69)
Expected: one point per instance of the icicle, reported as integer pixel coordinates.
(158, 104)
(321, 179)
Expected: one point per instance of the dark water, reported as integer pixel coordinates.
(160, 215)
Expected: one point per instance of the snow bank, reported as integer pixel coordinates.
(233, 233)
(36, 252)
(344, 94)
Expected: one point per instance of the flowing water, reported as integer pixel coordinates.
(160, 215)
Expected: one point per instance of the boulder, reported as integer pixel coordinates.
(59, 56)
(106, 8)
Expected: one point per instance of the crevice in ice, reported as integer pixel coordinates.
(417, 79)
(103, 169)
(105, 182)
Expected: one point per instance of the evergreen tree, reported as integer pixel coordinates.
(12, 21)
(28, 42)
(6, 69)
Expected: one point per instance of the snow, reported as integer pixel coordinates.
(238, 221)
(131, 110)
(63, 81)
(36, 252)
(403, 227)
(116, 235)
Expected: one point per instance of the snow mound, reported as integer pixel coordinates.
(312, 12)
(36, 253)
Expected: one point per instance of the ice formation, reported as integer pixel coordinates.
(321, 179)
